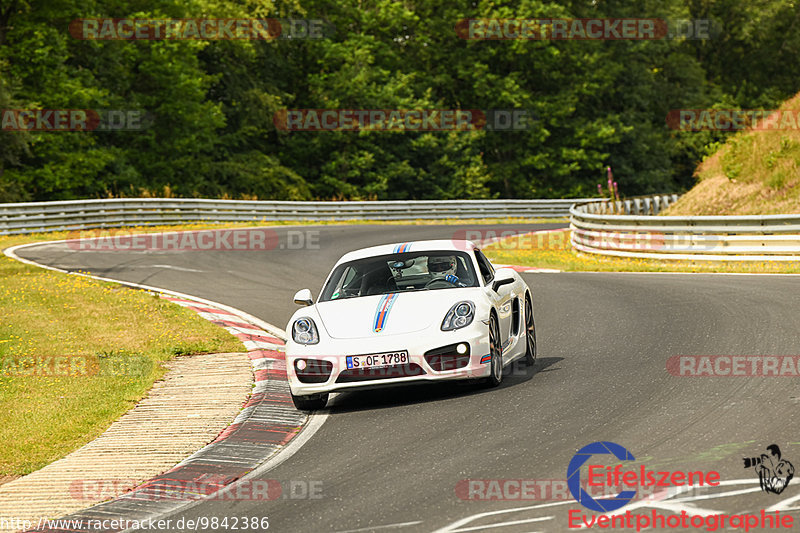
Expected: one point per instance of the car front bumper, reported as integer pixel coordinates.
(333, 353)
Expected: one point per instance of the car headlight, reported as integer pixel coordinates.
(304, 331)
(459, 316)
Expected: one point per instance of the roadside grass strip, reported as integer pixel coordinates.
(76, 354)
(172, 422)
(551, 251)
(267, 422)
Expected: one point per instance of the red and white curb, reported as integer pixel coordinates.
(249, 447)
(253, 337)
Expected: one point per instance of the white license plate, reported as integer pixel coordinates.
(377, 360)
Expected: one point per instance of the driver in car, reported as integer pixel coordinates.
(444, 267)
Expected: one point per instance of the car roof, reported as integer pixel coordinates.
(409, 246)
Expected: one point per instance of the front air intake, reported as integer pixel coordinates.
(313, 371)
(447, 357)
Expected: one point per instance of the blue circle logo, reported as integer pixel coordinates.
(604, 505)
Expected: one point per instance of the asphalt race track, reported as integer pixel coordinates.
(391, 460)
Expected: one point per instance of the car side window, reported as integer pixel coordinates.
(346, 282)
(347, 279)
(487, 272)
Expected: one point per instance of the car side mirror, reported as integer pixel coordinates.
(502, 277)
(303, 297)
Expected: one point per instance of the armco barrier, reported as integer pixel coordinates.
(624, 229)
(34, 217)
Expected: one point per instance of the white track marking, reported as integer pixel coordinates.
(718, 495)
(170, 267)
(684, 504)
(214, 317)
(261, 345)
(503, 524)
(267, 363)
(457, 524)
(315, 422)
(387, 526)
(668, 503)
(785, 505)
(244, 331)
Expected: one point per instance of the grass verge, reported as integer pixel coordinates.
(75, 354)
(553, 250)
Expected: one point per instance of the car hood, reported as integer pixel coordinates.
(389, 314)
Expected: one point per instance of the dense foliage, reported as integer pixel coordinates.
(597, 103)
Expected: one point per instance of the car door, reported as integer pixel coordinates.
(501, 299)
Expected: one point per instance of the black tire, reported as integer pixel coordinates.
(530, 333)
(310, 403)
(496, 351)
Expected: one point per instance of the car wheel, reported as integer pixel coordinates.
(530, 333)
(310, 403)
(496, 351)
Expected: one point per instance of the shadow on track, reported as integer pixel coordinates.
(363, 400)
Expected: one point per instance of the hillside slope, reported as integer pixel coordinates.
(757, 172)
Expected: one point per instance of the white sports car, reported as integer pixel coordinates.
(404, 313)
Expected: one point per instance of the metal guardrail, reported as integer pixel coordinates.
(627, 229)
(624, 228)
(34, 217)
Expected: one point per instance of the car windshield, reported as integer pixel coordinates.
(400, 272)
